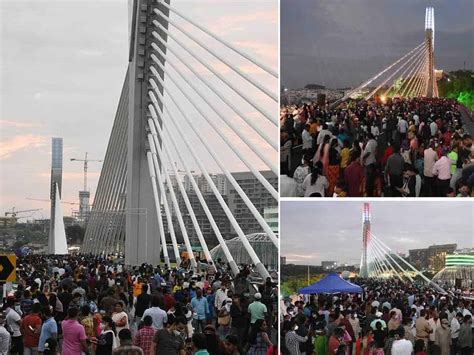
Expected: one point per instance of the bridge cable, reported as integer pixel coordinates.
(238, 91)
(224, 42)
(222, 166)
(203, 203)
(216, 55)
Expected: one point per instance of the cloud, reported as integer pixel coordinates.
(233, 23)
(21, 142)
(15, 124)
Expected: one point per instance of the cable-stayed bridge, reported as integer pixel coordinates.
(412, 75)
(379, 261)
(171, 86)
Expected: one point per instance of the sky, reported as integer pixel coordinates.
(311, 231)
(341, 43)
(63, 63)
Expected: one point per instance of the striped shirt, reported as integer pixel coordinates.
(292, 341)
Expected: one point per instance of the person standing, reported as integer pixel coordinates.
(74, 335)
(49, 329)
(368, 158)
(169, 341)
(354, 175)
(455, 326)
(5, 336)
(200, 309)
(145, 335)
(158, 315)
(257, 309)
(429, 159)
(442, 170)
(443, 338)
(394, 171)
(13, 321)
(465, 336)
(31, 329)
(126, 346)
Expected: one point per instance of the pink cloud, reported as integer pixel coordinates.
(21, 142)
(73, 176)
(230, 23)
(6, 123)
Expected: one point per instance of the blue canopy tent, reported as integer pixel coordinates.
(332, 283)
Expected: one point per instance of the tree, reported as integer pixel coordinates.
(75, 234)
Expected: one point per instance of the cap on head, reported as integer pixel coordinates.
(258, 296)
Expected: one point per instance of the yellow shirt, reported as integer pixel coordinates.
(345, 156)
(137, 289)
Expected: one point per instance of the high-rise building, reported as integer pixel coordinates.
(260, 197)
(257, 194)
(57, 238)
(431, 258)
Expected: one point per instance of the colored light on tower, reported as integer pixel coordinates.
(366, 214)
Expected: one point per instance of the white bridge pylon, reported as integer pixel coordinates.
(162, 112)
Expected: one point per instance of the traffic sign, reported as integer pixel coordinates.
(7, 268)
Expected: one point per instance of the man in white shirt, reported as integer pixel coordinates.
(221, 296)
(368, 157)
(429, 159)
(158, 315)
(433, 128)
(401, 346)
(455, 326)
(13, 321)
(5, 336)
(442, 170)
(307, 139)
(402, 127)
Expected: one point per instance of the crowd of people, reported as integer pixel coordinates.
(390, 318)
(398, 148)
(80, 304)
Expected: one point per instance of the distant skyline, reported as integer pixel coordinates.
(341, 43)
(63, 63)
(312, 231)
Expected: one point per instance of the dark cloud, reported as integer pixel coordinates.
(340, 43)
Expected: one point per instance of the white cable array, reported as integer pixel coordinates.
(217, 92)
(372, 93)
(227, 44)
(152, 125)
(413, 73)
(222, 166)
(219, 162)
(219, 57)
(411, 267)
(238, 91)
(380, 261)
(151, 168)
(388, 253)
(382, 258)
(414, 60)
(203, 203)
(229, 122)
(363, 85)
(419, 80)
(164, 199)
(248, 247)
(182, 226)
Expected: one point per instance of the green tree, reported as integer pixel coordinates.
(75, 234)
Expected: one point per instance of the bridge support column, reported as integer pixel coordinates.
(431, 78)
(142, 239)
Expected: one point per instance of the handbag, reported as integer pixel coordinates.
(223, 318)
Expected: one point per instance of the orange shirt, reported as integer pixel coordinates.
(137, 288)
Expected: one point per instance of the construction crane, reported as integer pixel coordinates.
(13, 213)
(44, 200)
(85, 160)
